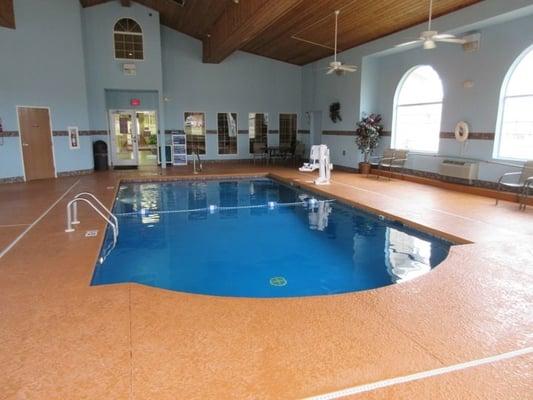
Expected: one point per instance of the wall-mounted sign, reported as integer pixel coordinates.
(135, 102)
(73, 137)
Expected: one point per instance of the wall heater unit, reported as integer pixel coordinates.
(459, 169)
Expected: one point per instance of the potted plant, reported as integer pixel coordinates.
(367, 138)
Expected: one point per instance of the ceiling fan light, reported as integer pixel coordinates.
(429, 44)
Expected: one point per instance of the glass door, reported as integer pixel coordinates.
(147, 141)
(124, 138)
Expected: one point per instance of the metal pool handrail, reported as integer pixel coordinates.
(75, 209)
(70, 222)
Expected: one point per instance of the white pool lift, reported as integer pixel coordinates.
(319, 159)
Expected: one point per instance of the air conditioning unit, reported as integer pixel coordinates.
(459, 169)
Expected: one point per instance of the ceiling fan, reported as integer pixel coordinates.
(429, 38)
(337, 66)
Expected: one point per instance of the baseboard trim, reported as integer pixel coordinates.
(75, 172)
(487, 190)
(12, 179)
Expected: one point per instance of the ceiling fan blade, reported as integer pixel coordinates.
(330, 71)
(454, 40)
(349, 68)
(444, 36)
(408, 43)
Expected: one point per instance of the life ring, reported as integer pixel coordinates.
(461, 131)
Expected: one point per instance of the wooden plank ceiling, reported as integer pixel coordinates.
(266, 27)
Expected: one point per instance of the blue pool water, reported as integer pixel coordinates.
(262, 239)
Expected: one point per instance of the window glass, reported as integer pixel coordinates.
(257, 130)
(195, 132)
(227, 133)
(418, 111)
(128, 39)
(514, 134)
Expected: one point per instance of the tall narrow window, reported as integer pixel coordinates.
(195, 130)
(258, 131)
(128, 38)
(287, 131)
(514, 132)
(227, 133)
(417, 111)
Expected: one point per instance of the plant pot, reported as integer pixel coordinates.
(364, 168)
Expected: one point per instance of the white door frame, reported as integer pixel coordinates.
(51, 138)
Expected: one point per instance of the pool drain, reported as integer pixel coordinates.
(278, 281)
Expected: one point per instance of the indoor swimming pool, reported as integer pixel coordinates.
(257, 238)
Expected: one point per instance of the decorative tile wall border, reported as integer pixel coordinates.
(242, 131)
(443, 135)
(304, 131)
(273, 131)
(338, 133)
(9, 134)
(471, 135)
(75, 173)
(211, 131)
(13, 179)
(171, 131)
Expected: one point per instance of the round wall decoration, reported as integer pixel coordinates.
(461, 131)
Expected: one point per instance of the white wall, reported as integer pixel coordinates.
(506, 28)
(42, 64)
(242, 83)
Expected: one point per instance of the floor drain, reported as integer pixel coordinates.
(278, 281)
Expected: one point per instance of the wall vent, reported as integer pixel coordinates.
(180, 3)
(459, 169)
(472, 42)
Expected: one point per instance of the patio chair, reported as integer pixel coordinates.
(390, 160)
(524, 183)
(259, 152)
(299, 153)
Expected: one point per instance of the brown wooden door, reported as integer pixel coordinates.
(36, 137)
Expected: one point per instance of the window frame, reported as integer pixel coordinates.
(501, 106)
(236, 137)
(127, 33)
(395, 107)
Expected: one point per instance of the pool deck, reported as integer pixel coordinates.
(63, 339)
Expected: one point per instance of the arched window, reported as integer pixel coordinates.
(128, 38)
(514, 130)
(417, 111)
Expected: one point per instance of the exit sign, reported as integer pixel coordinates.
(135, 102)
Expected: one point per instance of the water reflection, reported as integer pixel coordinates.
(406, 256)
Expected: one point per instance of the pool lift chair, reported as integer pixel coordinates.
(523, 185)
(319, 159)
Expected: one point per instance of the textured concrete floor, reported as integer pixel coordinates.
(63, 339)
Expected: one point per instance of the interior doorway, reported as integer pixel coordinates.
(134, 138)
(36, 142)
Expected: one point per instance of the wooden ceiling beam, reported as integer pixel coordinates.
(240, 23)
(7, 14)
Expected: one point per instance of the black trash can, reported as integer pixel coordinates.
(100, 155)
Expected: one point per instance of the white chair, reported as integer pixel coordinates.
(524, 183)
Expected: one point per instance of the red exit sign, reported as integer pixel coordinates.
(135, 102)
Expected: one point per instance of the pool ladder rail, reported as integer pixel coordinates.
(101, 210)
(196, 155)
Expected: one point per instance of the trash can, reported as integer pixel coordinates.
(100, 155)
